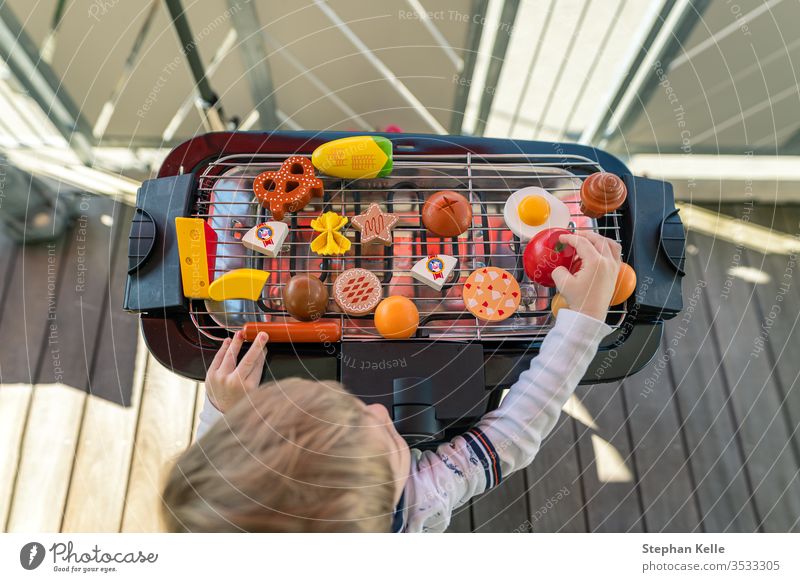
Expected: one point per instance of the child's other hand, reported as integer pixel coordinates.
(589, 291)
(227, 383)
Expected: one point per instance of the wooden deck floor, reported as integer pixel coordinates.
(705, 438)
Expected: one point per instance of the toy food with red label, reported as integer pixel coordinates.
(531, 210)
(434, 270)
(447, 213)
(491, 294)
(305, 297)
(601, 193)
(545, 252)
(197, 248)
(289, 189)
(360, 156)
(375, 224)
(266, 238)
(357, 291)
(625, 285)
(396, 317)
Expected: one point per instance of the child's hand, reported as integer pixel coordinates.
(589, 291)
(227, 383)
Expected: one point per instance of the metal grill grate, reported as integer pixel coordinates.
(225, 199)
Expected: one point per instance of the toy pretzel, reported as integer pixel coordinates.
(289, 189)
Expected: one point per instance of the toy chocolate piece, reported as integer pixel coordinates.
(375, 224)
(305, 297)
(357, 291)
(434, 270)
(330, 241)
(298, 332)
(266, 238)
(491, 294)
(447, 213)
(238, 284)
(197, 248)
(361, 156)
(289, 189)
(601, 193)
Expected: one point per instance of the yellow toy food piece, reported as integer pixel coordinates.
(330, 241)
(192, 252)
(557, 304)
(534, 210)
(361, 156)
(239, 284)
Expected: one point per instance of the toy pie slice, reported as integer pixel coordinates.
(357, 291)
(491, 294)
(266, 238)
(434, 270)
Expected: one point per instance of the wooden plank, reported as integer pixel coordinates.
(461, 521)
(14, 402)
(73, 326)
(715, 455)
(112, 376)
(103, 460)
(770, 463)
(778, 303)
(665, 478)
(504, 508)
(46, 458)
(612, 499)
(555, 494)
(164, 431)
(30, 297)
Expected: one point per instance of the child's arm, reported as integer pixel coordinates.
(507, 439)
(227, 382)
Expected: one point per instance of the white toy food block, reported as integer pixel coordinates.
(434, 270)
(266, 238)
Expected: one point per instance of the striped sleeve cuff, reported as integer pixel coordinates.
(487, 455)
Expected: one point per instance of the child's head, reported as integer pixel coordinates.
(294, 455)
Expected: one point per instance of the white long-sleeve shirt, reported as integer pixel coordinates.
(504, 440)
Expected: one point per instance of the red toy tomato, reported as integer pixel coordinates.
(545, 252)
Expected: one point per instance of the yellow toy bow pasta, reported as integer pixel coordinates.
(330, 241)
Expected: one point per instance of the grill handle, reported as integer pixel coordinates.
(154, 272)
(413, 411)
(653, 240)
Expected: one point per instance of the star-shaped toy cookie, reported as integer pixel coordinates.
(375, 224)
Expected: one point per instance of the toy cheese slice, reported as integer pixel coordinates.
(238, 284)
(266, 238)
(361, 156)
(434, 270)
(197, 249)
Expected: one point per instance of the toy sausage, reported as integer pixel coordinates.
(311, 332)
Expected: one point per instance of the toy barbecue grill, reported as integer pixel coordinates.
(453, 368)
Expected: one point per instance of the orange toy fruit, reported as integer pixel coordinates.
(396, 317)
(626, 283)
(557, 304)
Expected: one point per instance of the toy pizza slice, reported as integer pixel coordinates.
(434, 270)
(491, 294)
(266, 238)
(357, 291)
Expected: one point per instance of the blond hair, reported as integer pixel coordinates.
(293, 456)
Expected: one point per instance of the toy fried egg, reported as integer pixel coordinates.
(530, 210)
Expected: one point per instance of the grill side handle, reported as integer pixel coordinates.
(653, 241)
(154, 273)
